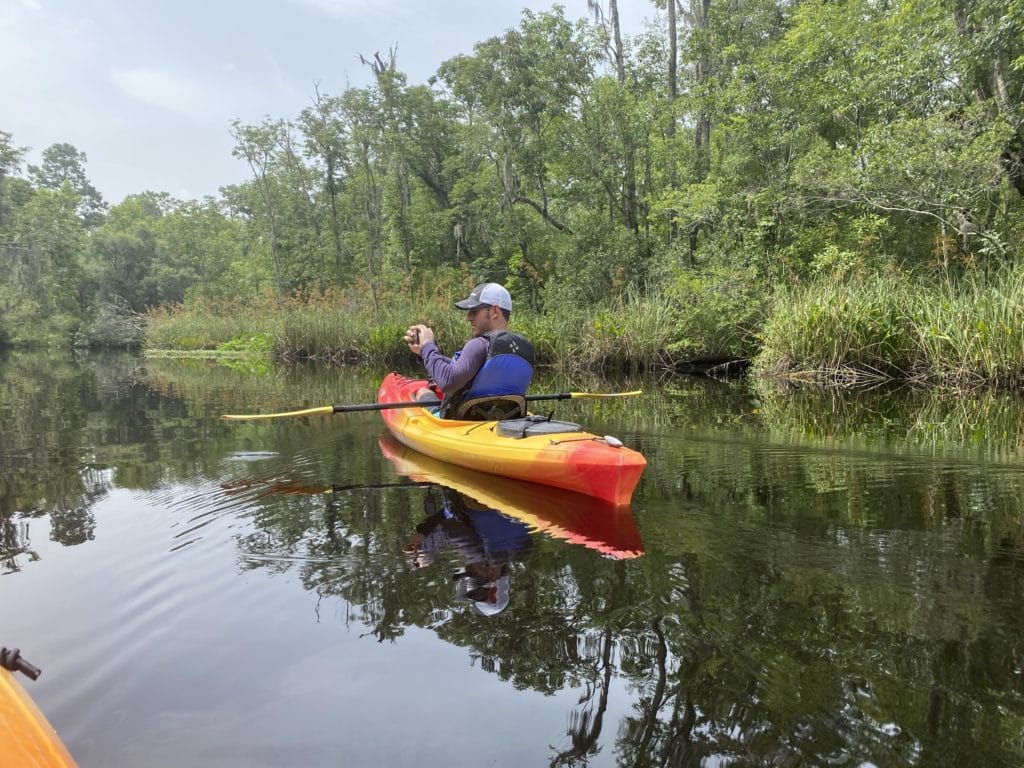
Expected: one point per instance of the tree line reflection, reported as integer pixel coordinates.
(780, 607)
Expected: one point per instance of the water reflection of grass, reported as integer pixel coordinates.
(940, 419)
(252, 385)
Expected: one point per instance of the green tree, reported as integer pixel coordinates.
(326, 147)
(257, 145)
(527, 85)
(64, 164)
(122, 258)
(10, 161)
(197, 248)
(39, 293)
(992, 37)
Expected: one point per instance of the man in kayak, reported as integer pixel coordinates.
(487, 378)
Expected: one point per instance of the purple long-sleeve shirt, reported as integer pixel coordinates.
(451, 375)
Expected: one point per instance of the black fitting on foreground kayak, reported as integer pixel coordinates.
(11, 660)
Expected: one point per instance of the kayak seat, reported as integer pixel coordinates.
(491, 408)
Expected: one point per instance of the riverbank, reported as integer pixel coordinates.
(633, 333)
(850, 330)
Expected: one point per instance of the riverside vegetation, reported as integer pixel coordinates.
(833, 190)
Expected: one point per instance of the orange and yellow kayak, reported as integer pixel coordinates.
(606, 528)
(564, 457)
(27, 740)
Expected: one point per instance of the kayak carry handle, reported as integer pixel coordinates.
(10, 659)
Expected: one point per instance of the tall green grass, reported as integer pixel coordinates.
(636, 332)
(631, 334)
(330, 326)
(889, 326)
(884, 326)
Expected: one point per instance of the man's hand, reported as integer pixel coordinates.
(416, 336)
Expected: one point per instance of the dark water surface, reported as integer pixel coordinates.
(804, 579)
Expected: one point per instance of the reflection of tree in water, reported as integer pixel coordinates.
(585, 723)
(872, 649)
(71, 518)
(14, 543)
(55, 413)
(71, 524)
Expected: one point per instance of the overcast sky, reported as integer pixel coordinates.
(148, 89)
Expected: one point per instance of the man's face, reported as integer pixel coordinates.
(481, 319)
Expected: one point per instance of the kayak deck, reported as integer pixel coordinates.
(27, 739)
(574, 460)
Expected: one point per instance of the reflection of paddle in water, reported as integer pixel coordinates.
(485, 540)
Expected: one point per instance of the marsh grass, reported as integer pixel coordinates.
(637, 332)
(631, 334)
(880, 327)
(329, 326)
(965, 332)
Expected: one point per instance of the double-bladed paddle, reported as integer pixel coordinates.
(326, 410)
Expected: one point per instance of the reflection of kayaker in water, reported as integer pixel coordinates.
(485, 539)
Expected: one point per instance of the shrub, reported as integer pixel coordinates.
(114, 324)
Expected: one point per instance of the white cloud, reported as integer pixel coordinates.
(167, 90)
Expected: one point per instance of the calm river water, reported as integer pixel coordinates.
(804, 578)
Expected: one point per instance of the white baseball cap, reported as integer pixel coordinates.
(485, 599)
(486, 294)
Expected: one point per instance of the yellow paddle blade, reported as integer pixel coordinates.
(323, 410)
(591, 395)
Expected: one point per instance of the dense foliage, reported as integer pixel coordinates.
(752, 144)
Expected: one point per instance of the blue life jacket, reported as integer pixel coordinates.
(504, 376)
(502, 536)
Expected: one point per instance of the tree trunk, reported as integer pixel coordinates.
(672, 59)
(673, 94)
(620, 62)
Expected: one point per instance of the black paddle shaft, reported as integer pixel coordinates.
(428, 403)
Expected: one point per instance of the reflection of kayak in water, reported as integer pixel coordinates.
(26, 736)
(572, 517)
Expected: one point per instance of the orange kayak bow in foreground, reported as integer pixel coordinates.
(558, 454)
(27, 740)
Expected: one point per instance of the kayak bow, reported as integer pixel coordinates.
(27, 739)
